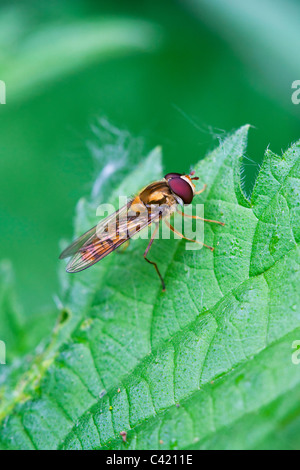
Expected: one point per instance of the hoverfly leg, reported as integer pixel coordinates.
(185, 238)
(201, 190)
(199, 218)
(152, 262)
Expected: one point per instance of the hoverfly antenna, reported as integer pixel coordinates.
(192, 172)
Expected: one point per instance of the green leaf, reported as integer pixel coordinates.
(208, 364)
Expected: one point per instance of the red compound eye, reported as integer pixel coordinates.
(172, 175)
(182, 189)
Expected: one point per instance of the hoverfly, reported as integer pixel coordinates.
(154, 203)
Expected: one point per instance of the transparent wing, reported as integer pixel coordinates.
(78, 243)
(109, 234)
(92, 235)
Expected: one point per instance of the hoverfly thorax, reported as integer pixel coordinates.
(181, 186)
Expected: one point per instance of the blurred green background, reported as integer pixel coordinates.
(178, 73)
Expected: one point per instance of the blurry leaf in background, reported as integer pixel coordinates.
(45, 55)
(265, 34)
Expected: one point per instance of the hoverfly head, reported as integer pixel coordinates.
(181, 186)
